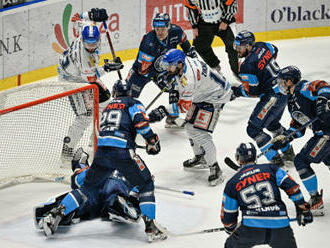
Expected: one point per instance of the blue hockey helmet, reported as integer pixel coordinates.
(91, 37)
(288, 73)
(244, 38)
(120, 88)
(246, 152)
(174, 57)
(161, 20)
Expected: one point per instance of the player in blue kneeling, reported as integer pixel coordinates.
(254, 189)
(307, 100)
(122, 119)
(257, 73)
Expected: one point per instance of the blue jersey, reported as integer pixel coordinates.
(303, 106)
(121, 120)
(258, 70)
(255, 190)
(151, 48)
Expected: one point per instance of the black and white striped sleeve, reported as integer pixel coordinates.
(193, 14)
(229, 9)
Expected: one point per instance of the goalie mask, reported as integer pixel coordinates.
(91, 38)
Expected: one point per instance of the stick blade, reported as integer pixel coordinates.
(231, 164)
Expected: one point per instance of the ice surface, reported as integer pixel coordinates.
(178, 212)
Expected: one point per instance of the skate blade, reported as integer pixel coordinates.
(46, 229)
(173, 126)
(318, 212)
(197, 167)
(152, 237)
(216, 182)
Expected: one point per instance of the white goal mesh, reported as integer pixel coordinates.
(34, 119)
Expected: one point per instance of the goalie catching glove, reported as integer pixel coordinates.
(98, 15)
(153, 145)
(113, 65)
(157, 114)
(304, 215)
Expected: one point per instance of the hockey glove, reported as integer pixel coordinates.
(164, 81)
(153, 145)
(174, 96)
(323, 108)
(229, 229)
(98, 15)
(304, 215)
(113, 66)
(192, 53)
(236, 91)
(158, 114)
(280, 142)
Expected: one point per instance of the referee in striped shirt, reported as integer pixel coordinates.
(209, 18)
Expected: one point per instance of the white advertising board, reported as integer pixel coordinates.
(283, 14)
(16, 43)
(53, 33)
(124, 22)
(1, 50)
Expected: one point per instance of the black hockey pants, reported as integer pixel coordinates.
(246, 237)
(203, 42)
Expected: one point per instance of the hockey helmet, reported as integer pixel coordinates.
(120, 88)
(244, 38)
(162, 20)
(288, 73)
(91, 37)
(246, 152)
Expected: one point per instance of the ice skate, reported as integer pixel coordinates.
(316, 203)
(154, 230)
(196, 163)
(288, 157)
(174, 122)
(51, 221)
(215, 177)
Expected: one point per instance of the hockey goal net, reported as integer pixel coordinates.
(34, 119)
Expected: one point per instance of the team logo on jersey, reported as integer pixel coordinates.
(183, 81)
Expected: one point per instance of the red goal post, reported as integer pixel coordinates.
(34, 119)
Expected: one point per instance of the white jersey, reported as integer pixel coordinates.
(78, 65)
(202, 83)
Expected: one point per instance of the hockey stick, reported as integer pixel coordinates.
(211, 230)
(228, 161)
(160, 93)
(175, 190)
(111, 46)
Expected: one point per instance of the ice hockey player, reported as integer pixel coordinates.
(254, 189)
(307, 100)
(122, 119)
(257, 73)
(80, 64)
(210, 91)
(154, 44)
(117, 201)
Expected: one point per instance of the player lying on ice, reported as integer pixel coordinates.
(118, 199)
(122, 120)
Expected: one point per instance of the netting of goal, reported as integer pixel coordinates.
(34, 119)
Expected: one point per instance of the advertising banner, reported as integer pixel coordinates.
(1, 50)
(15, 43)
(282, 14)
(51, 36)
(124, 22)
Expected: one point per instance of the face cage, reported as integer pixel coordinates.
(282, 86)
(91, 46)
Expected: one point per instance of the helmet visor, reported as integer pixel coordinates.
(282, 86)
